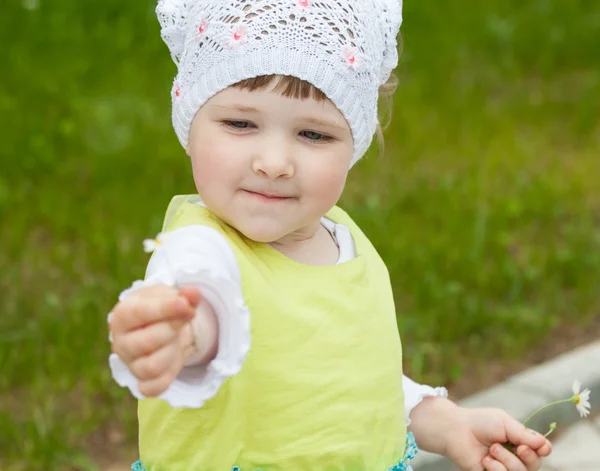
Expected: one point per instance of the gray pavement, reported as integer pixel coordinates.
(578, 449)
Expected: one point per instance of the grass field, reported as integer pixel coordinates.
(486, 204)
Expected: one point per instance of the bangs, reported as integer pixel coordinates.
(287, 86)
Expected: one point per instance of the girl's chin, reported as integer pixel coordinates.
(260, 235)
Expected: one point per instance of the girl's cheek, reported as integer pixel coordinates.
(216, 162)
(332, 178)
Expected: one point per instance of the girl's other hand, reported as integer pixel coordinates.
(476, 443)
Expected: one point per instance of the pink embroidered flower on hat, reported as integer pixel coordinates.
(237, 37)
(201, 28)
(176, 91)
(302, 6)
(352, 57)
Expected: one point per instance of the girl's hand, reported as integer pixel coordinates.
(151, 333)
(476, 442)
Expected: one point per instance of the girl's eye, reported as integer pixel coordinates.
(238, 124)
(316, 136)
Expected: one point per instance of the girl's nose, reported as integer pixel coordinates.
(274, 164)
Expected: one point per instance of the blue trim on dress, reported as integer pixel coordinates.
(137, 466)
(410, 452)
(403, 465)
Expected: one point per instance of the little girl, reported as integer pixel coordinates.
(264, 335)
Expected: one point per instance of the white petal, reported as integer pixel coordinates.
(149, 245)
(585, 395)
(586, 404)
(583, 410)
(576, 387)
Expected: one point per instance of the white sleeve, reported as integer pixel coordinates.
(414, 393)
(200, 256)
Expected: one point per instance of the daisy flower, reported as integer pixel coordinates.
(581, 399)
(150, 245)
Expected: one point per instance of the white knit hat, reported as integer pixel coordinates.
(345, 48)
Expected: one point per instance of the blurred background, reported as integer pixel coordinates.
(485, 204)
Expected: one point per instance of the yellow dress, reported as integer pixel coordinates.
(321, 388)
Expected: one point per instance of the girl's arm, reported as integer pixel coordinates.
(415, 393)
(219, 334)
(432, 420)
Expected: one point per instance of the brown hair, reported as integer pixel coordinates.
(293, 87)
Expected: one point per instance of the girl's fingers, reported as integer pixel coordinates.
(192, 294)
(531, 459)
(136, 311)
(155, 365)
(510, 461)
(490, 464)
(156, 386)
(520, 435)
(545, 449)
(142, 342)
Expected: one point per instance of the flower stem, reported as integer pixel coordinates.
(552, 428)
(563, 401)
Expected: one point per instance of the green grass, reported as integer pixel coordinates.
(485, 205)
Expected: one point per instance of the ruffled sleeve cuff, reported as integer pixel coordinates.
(414, 393)
(198, 256)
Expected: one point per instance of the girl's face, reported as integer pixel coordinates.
(268, 165)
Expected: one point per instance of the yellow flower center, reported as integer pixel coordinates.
(577, 399)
